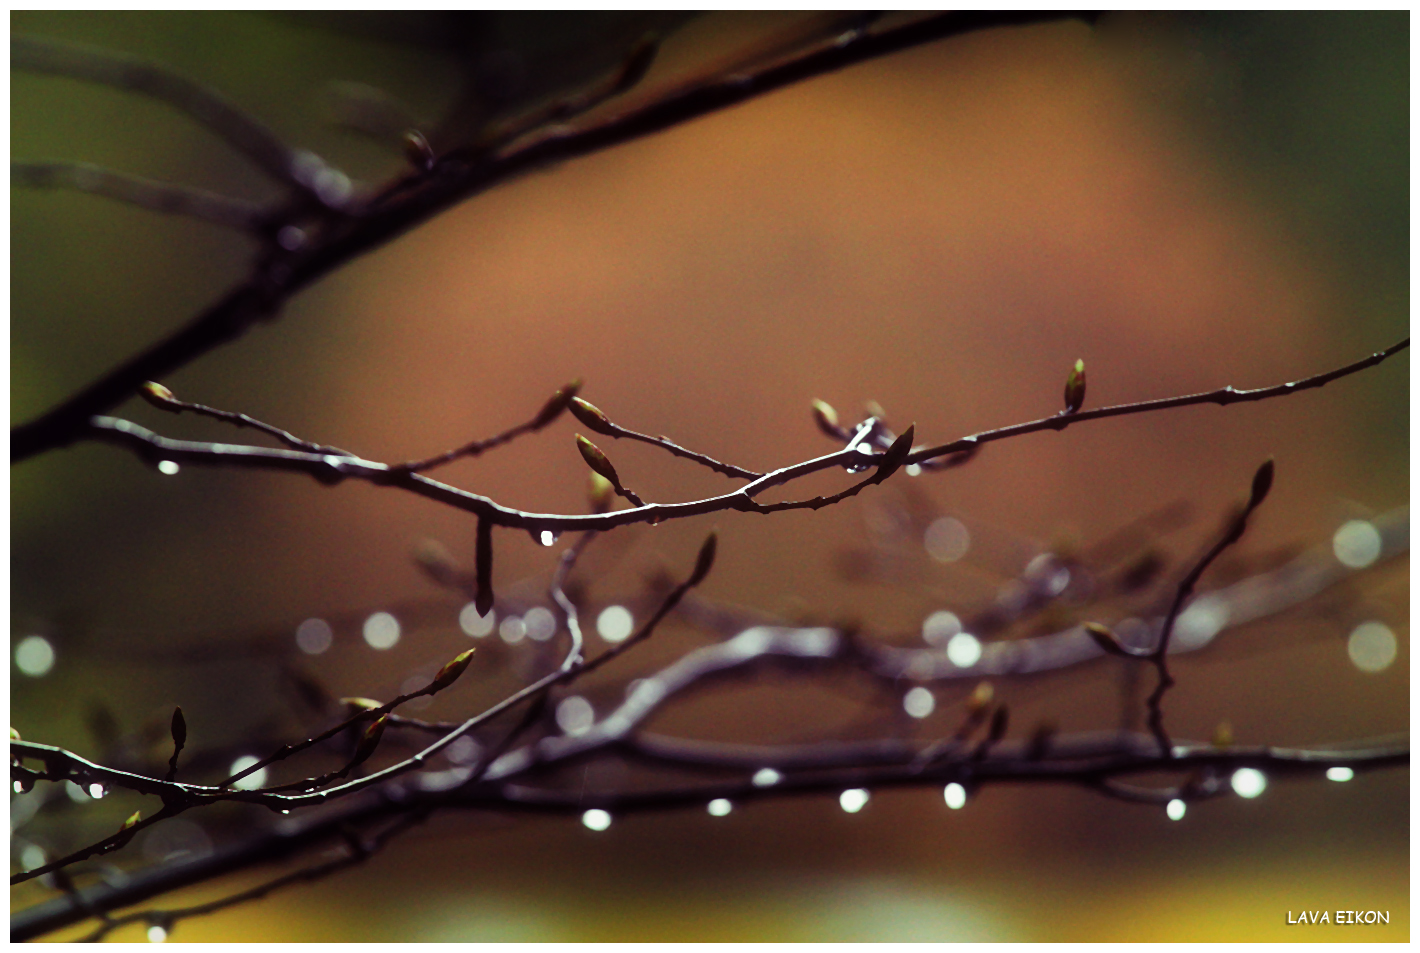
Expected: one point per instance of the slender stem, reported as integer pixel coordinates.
(145, 193)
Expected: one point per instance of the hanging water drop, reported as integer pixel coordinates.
(96, 791)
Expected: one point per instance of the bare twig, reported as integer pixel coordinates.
(593, 418)
(453, 179)
(333, 468)
(145, 193)
(205, 105)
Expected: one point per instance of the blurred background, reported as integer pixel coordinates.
(1183, 201)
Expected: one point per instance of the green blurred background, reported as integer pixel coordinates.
(1185, 201)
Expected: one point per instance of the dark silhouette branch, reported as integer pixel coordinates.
(452, 178)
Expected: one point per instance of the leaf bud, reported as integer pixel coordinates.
(980, 697)
(451, 671)
(1223, 735)
(370, 740)
(1105, 639)
(1261, 485)
(599, 492)
(133, 818)
(895, 455)
(1000, 718)
(179, 727)
(704, 560)
(827, 419)
(417, 150)
(556, 404)
(157, 395)
(1075, 388)
(597, 460)
(638, 63)
(14, 735)
(591, 416)
(360, 704)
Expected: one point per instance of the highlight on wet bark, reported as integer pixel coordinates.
(417, 151)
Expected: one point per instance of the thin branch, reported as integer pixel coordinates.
(355, 853)
(453, 179)
(1223, 397)
(1261, 486)
(162, 398)
(549, 412)
(596, 420)
(205, 105)
(145, 193)
(331, 468)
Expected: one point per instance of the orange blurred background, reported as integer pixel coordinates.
(1182, 201)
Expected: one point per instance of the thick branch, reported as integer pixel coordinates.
(453, 179)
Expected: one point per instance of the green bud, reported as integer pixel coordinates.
(451, 671)
(1075, 388)
(157, 395)
(360, 704)
(591, 416)
(1223, 735)
(133, 818)
(370, 740)
(980, 697)
(599, 492)
(827, 419)
(597, 460)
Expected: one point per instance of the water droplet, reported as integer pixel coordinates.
(34, 656)
(964, 650)
(1371, 646)
(157, 934)
(955, 796)
(97, 791)
(766, 778)
(1249, 782)
(596, 820)
(853, 800)
(919, 702)
(544, 537)
(1175, 809)
(719, 807)
(168, 467)
(1339, 774)
(615, 623)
